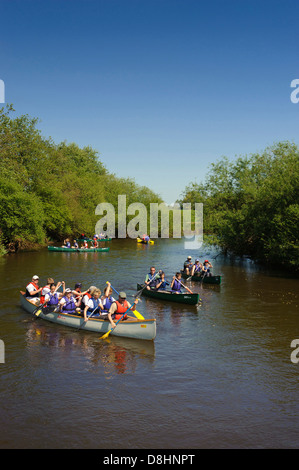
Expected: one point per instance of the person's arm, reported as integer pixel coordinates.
(112, 310)
(85, 313)
(33, 291)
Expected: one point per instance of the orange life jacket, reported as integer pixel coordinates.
(121, 309)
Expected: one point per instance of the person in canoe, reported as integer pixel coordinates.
(68, 304)
(33, 290)
(86, 296)
(188, 265)
(46, 289)
(146, 238)
(76, 245)
(152, 278)
(52, 297)
(66, 243)
(196, 268)
(119, 307)
(78, 294)
(107, 299)
(94, 305)
(94, 243)
(85, 244)
(175, 285)
(206, 269)
(162, 283)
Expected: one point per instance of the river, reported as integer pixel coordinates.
(218, 375)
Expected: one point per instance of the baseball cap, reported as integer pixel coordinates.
(35, 277)
(122, 295)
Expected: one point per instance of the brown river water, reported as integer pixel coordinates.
(219, 375)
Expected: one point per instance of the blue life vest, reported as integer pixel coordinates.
(95, 307)
(154, 279)
(197, 268)
(53, 299)
(107, 302)
(176, 286)
(69, 306)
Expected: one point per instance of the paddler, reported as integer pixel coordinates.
(152, 278)
(119, 307)
(32, 289)
(107, 299)
(68, 303)
(175, 285)
(94, 305)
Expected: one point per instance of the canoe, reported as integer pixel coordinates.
(150, 242)
(203, 279)
(91, 239)
(131, 328)
(190, 299)
(76, 250)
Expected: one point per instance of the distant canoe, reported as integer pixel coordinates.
(81, 240)
(150, 242)
(77, 250)
(190, 299)
(131, 328)
(203, 279)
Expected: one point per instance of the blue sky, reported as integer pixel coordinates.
(161, 88)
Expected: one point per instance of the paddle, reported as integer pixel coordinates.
(39, 309)
(184, 286)
(87, 318)
(145, 285)
(136, 313)
(108, 332)
(203, 277)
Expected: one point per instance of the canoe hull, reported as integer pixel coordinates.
(150, 242)
(190, 299)
(137, 329)
(204, 280)
(77, 250)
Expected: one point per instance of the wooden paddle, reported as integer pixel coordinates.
(136, 313)
(184, 286)
(108, 332)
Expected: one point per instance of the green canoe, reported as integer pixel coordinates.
(76, 250)
(203, 279)
(91, 239)
(191, 299)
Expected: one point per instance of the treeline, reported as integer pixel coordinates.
(251, 205)
(49, 191)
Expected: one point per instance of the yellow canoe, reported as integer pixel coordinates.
(151, 242)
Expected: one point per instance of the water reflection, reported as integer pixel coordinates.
(116, 355)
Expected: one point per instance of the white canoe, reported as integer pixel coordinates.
(137, 329)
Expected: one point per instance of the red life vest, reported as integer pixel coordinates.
(121, 309)
(42, 296)
(35, 286)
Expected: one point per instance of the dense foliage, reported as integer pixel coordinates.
(251, 205)
(50, 191)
